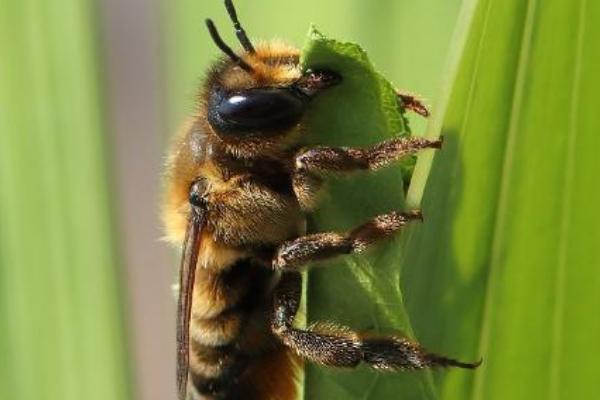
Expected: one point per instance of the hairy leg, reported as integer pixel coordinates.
(326, 160)
(312, 164)
(414, 104)
(338, 346)
(295, 254)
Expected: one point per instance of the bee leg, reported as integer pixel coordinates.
(338, 346)
(312, 164)
(326, 160)
(294, 254)
(307, 187)
(414, 104)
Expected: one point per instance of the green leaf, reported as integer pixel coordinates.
(365, 103)
(506, 265)
(360, 291)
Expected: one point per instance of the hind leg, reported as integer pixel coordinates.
(338, 346)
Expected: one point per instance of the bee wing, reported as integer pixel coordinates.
(187, 273)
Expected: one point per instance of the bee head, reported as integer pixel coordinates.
(261, 92)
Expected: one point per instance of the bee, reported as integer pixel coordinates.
(239, 186)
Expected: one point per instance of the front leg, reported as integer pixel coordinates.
(337, 346)
(294, 254)
(326, 160)
(312, 164)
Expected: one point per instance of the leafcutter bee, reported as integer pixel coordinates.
(239, 187)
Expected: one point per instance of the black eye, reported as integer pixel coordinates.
(258, 111)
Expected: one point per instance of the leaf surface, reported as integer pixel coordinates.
(360, 291)
(505, 266)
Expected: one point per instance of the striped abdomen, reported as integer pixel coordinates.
(233, 354)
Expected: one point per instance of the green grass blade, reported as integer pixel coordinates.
(504, 266)
(62, 334)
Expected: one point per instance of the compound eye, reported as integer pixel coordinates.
(260, 111)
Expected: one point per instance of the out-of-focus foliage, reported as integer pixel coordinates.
(61, 326)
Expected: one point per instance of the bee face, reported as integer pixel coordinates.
(261, 93)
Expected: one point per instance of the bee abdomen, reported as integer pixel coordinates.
(219, 330)
(269, 376)
(229, 330)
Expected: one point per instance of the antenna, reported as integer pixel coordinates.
(214, 33)
(239, 31)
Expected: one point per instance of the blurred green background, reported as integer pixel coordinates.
(506, 266)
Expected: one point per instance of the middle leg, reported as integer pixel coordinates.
(293, 255)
